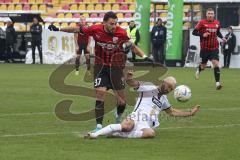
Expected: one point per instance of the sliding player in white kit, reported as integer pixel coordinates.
(144, 118)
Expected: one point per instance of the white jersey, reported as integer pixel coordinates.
(150, 101)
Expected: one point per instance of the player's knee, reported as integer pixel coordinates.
(121, 103)
(148, 133)
(100, 94)
(127, 125)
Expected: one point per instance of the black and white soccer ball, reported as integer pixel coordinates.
(182, 93)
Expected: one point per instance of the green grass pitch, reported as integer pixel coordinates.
(29, 128)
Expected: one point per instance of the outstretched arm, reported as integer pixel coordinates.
(130, 81)
(70, 29)
(178, 113)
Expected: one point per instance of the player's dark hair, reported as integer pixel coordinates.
(210, 9)
(36, 18)
(109, 15)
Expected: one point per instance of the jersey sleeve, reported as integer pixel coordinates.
(145, 87)
(124, 36)
(89, 31)
(199, 26)
(166, 104)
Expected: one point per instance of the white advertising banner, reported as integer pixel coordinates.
(235, 58)
(58, 47)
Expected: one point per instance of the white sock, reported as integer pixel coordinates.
(108, 129)
(133, 134)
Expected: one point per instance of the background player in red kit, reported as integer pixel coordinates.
(111, 44)
(208, 30)
(81, 40)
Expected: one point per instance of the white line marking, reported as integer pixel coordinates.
(39, 134)
(80, 134)
(26, 114)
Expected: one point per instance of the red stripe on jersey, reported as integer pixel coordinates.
(108, 45)
(209, 43)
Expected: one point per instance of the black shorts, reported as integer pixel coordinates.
(209, 55)
(111, 78)
(82, 48)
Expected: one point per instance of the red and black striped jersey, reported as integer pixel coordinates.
(209, 43)
(108, 47)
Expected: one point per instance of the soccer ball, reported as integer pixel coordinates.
(182, 93)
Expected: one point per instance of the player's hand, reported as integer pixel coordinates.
(77, 50)
(53, 28)
(224, 40)
(206, 34)
(127, 46)
(130, 74)
(195, 109)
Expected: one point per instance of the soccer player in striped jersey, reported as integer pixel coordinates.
(144, 118)
(209, 30)
(81, 41)
(111, 45)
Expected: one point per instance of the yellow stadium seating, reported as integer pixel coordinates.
(120, 15)
(74, 7)
(16, 1)
(86, 1)
(132, 7)
(198, 14)
(197, 7)
(90, 7)
(34, 7)
(163, 15)
(68, 15)
(43, 7)
(82, 7)
(72, 24)
(107, 7)
(39, 1)
(159, 7)
(86, 15)
(152, 7)
(63, 25)
(111, 1)
(166, 7)
(98, 7)
(18, 7)
(2, 24)
(94, 1)
(55, 1)
(115, 7)
(31, 1)
(187, 7)
(124, 24)
(187, 24)
(128, 1)
(11, 7)
(3, 7)
(60, 15)
(56, 24)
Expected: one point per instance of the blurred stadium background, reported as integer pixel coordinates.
(63, 13)
(29, 128)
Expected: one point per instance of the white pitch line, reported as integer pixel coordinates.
(50, 113)
(26, 114)
(202, 127)
(80, 134)
(38, 134)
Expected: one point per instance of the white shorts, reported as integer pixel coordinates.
(142, 120)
